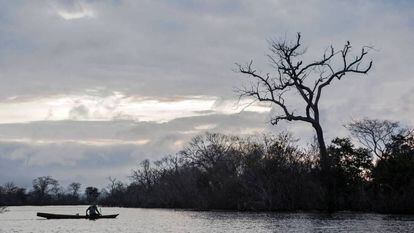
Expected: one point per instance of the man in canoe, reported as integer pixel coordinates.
(92, 211)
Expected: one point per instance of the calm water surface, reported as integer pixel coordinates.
(23, 219)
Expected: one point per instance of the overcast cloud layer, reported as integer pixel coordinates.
(96, 86)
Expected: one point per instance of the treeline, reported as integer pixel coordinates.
(47, 191)
(270, 173)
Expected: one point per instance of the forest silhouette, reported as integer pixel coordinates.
(267, 173)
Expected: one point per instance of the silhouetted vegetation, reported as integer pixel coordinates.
(216, 171)
(91, 194)
(45, 191)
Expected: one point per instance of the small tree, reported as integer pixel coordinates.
(115, 186)
(42, 186)
(375, 134)
(73, 189)
(144, 175)
(9, 187)
(92, 194)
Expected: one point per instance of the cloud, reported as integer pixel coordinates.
(79, 112)
(116, 81)
(67, 162)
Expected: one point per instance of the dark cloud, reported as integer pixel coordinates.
(79, 112)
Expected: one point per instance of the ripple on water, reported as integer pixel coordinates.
(24, 219)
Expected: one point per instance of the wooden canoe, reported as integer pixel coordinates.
(73, 216)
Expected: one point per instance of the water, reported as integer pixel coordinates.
(23, 219)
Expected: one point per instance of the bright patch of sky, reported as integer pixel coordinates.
(70, 10)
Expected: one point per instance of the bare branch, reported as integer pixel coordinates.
(293, 75)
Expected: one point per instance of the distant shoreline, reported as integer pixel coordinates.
(318, 212)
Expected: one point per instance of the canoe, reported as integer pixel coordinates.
(73, 216)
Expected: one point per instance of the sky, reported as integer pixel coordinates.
(90, 88)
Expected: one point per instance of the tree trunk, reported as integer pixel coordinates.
(323, 152)
(326, 168)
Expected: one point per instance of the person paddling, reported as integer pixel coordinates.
(92, 211)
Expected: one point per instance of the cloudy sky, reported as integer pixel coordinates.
(89, 88)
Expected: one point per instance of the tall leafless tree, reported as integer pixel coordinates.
(306, 80)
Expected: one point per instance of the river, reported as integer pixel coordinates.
(24, 219)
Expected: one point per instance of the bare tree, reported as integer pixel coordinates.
(57, 190)
(204, 151)
(306, 80)
(44, 185)
(114, 185)
(74, 188)
(10, 187)
(375, 134)
(145, 175)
